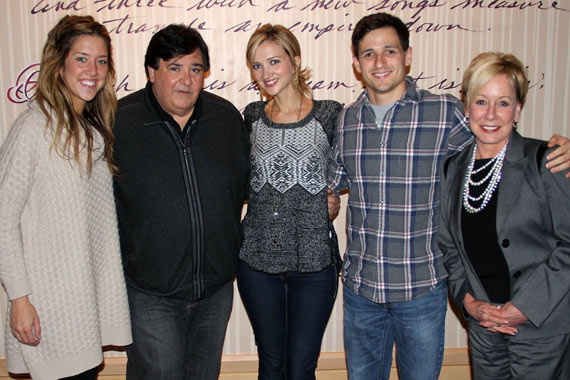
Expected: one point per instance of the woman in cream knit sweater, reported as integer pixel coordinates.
(59, 253)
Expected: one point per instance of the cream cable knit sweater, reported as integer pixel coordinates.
(59, 245)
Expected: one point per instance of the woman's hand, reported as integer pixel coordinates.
(489, 316)
(25, 322)
(512, 315)
(479, 310)
(334, 204)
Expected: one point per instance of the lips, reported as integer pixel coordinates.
(490, 128)
(381, 75)
(88, 83)
(270, 83)
(183, 91)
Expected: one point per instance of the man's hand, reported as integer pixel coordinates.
(334, 204)
(559, 159)
(25, 322)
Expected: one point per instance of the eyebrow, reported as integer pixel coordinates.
(382, 47)
(268, 59)
(500, 97)
(194, 64)
(87, 54)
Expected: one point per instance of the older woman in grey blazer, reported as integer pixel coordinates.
(505, 233)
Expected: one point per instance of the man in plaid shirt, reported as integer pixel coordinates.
(391, 145)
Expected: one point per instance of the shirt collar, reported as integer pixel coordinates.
(196, 114)
(411, 94)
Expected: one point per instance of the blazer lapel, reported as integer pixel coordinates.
(458, 173)
(513, 170)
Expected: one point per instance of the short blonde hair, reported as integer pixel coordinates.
(287, 40)
(485, 66)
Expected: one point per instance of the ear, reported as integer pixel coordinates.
(150, 74)
(518, 112)
(356, 64)
(297, 61)
(409, 56)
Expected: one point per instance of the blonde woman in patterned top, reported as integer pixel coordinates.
(287, 275)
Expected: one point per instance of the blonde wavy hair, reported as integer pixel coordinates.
(73, 132)
(287, 40)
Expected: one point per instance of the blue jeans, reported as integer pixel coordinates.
(289, 313)
(176, 339)
(417, 327)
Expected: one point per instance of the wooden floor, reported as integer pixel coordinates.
(244, 367)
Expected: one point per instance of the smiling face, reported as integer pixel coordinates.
(492, 113)
(382, 62)
(85, 69)
(176, 84)
(272, 69)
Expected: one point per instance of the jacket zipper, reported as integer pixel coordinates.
(194, 210)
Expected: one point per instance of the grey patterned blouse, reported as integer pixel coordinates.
(286, 227)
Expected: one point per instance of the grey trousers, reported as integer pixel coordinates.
(499, 357)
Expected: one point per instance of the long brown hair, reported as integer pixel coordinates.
(55, 100)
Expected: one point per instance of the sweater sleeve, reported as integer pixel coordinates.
(18, 160)
(327, 114)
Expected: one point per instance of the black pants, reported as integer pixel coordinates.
(87, 375)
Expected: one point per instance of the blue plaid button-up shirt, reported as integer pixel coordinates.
(392, 171)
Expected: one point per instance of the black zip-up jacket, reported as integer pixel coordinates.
(179, 196)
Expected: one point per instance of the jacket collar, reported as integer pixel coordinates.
(513, 168)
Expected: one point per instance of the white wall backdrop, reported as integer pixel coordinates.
(445, 35)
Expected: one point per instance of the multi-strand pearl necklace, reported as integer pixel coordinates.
(493, 177)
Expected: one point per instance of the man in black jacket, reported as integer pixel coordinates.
(182, 155)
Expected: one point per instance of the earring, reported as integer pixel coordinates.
(295, 80)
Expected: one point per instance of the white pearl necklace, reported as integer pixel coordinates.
(494, 175)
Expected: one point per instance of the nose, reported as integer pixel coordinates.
(92, 68)
(380, 60)
(186, 76)
(491, 112)
(265, 73)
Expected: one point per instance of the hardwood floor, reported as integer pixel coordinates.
(244, 367)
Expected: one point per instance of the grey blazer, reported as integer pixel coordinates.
(533, 228)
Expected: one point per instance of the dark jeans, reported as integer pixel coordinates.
(176, 339)
(289, 313)
(90, 374)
